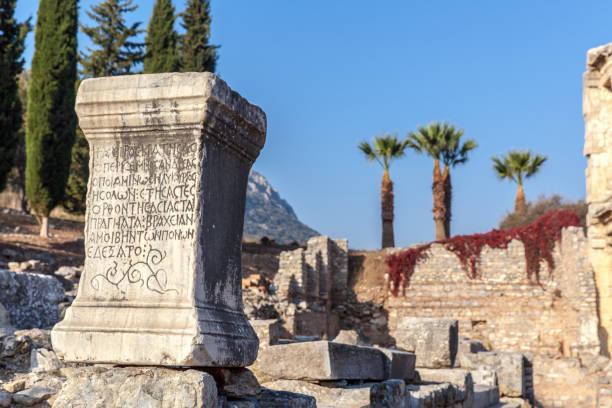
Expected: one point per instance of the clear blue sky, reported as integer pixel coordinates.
(331, 73)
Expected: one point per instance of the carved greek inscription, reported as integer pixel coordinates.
(142, 195)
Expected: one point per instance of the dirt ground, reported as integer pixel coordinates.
(19, 233)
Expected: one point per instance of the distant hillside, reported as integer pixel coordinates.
(267, 214)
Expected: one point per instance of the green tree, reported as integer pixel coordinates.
(161, 55)
(12, 37)
(51, 120)
(518, 165)
(453, 153)
(430, 140)
(385, 149)
(196, 54)
(115, 50)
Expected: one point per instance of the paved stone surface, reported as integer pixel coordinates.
(165, 213)
(434, 341)
(339, 396)
(31, 299)
(138, 387)
(323, 360)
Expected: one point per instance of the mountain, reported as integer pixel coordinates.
(268, 215)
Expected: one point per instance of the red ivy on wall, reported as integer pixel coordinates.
(538, 238)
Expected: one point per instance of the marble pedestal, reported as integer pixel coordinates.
(169, 161)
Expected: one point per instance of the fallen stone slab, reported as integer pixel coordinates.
(399, 364)
(31, 299)
(462, 379)
(432, 395)
(5, 324)
(434, 341)
(323, 360)
(33, 396)
(485, 396)
(339, 396)
(137, 387)
(235, 382)
(388, 394)
(509, 366)
(282, 399)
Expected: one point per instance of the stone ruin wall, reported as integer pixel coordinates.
(501, 308)
(597, 108)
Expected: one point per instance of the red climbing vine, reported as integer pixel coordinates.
(538, 238)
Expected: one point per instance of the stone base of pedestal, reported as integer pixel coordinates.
(118, 387)
(168, 335)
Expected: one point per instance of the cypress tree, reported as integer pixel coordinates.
(116, 52)
(12, 36)
(51, 119)
(161, 55)
(196, 54)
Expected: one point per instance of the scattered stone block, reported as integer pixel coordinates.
(470, 346)
(485, 396)
(323, 360)
(509, 366)
(5, 324)
(388, 394)
(5, 399)
(282, 399)
(432, 395)
(353, 337)
(44, 361)
(434, 341)
(399, 364)
(41, 338)
(462, 379)
(167, 189)
(235, 382)
(31, 299)
(342, 396)
(15, 386)
(138, 387)
(33, 396)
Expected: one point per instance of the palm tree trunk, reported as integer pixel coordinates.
(386, 204)
(438, 210)
(448, 191)
(519, 202)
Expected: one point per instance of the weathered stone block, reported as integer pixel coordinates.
(138, 387)
(399, 364)
(323, 360)
(5, 324)
(485, 396)
(353, 337)
(170, 156)
(283, 399)
(462, 379)
(31, 299)
(510, 369)
(434, 341)
(388, 394)
(348, 397)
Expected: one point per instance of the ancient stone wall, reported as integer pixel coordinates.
(597, 107)
(502, 308)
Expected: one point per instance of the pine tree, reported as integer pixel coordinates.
(116, 52)
(161, 55)
(12, 36)
(196, 54)
(51, 119)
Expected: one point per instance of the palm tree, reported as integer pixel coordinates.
(517, 165)
(453, 153)
(430, 140)
(385, 149)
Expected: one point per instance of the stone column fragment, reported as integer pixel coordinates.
(169, 161)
